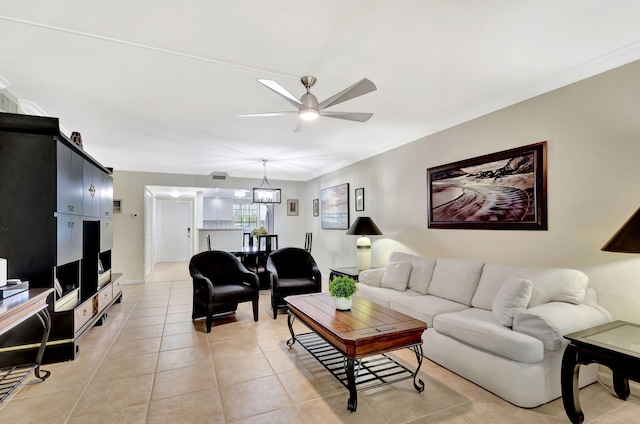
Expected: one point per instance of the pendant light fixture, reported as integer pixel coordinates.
(265, 194)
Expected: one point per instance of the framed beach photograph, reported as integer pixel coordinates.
(499, 191)
(334, 211)
(292, 207)
(316, 207)
(359, 199)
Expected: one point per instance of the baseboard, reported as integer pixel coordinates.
(131, 282)
(605, 376)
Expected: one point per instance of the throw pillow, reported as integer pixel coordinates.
(396, 276)
(455, 279)
(371, 277)
(512, 298)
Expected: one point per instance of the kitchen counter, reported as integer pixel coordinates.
(221, 238)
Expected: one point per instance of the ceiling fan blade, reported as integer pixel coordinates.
(363, 86)
(281, 91)
(349, 116)
(285, 113)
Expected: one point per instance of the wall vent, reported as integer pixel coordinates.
(219, 176)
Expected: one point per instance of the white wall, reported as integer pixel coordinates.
(593, 145)
(128, 251)
(592, 131)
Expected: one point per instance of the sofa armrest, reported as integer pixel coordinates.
(551, 321)
(371, 277)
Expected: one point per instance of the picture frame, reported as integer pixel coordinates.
(506, 190)
(316, 207)
(292, 207)
(334, 211)
(359, 199)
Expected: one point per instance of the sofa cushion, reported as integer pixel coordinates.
(512, 298)
(371, 277)
(421, 272)
(548, 284)
(551, 321)
(455, 279)
(396, 275)
(381, 295)
(424, 308)
(479, 328)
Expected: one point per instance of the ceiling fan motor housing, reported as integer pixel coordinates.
(308, 81)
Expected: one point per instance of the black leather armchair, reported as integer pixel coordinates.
(220, 282)
(292, 271)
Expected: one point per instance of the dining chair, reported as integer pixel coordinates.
(266, 244)
(247, 240)
(307, 242)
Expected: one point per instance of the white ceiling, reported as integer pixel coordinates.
(156, 85)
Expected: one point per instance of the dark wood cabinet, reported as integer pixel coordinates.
(56, 232)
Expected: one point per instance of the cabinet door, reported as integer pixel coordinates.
(91, 191)
(69, 239)
(106, 195)
(70, 167)
(106, 234)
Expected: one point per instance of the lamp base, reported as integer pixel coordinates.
(364, 253)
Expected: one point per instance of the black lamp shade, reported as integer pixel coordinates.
(627, 239)
(364, 226)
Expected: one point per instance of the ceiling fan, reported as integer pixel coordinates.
(308, 108)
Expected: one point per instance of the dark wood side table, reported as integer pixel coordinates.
(615, 345)
(350, 271)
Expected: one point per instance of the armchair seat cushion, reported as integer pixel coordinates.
(296, 284)
(233, 293)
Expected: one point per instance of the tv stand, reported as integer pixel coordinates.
(59, 211)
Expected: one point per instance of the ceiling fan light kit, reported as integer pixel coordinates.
(308, 114)
(308, 107)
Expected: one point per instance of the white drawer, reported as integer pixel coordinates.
(105, 296)
(116, 287)
(83, 313)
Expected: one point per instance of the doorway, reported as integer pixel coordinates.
(175, 228)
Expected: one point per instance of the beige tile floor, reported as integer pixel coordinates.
(150, 363)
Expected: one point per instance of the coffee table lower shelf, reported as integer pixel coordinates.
(370, 372)
(12, 377)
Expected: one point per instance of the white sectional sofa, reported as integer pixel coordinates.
(500, 327)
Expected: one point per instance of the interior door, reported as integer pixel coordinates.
(175, 228)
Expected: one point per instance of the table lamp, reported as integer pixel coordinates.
(364, 226)
(627, 238)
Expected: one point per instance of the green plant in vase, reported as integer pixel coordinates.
(342, 288)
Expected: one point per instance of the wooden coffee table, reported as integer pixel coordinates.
(366, 329)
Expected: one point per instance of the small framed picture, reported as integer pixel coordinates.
(316, 207)
(359, 199)
(292, 207)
